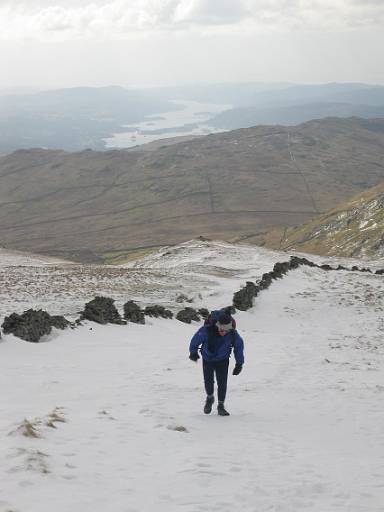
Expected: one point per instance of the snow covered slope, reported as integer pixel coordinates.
(114, 413)
(20, 258)
(198, 269)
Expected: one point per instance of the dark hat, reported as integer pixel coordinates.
(224, 322)
(224, 318)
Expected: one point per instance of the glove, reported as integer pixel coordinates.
(194, 356)
(237, 369)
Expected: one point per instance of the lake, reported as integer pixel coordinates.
(192, 119)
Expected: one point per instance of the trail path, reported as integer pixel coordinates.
(305, 431)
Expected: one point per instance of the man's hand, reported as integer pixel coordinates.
(237, 369)
(194, 357)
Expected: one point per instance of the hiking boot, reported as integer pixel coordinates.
(221, 411)
(208, 404)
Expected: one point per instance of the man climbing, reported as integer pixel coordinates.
(216, 340)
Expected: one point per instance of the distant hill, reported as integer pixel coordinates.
(94, 206)
(296, 104)
(292, 115)
(302, 94)
(79, 118)
(72, 119)
(275, 94)
(355, 228)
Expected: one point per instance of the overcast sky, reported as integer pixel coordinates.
(54, 43)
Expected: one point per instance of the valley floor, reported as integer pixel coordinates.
(118, 410)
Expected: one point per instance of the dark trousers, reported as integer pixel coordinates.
(219, 368)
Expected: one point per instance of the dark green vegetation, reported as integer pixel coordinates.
(89, 206)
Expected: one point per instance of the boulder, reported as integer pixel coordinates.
(158, 312)
(183, 298)
(59, 322)
(29, 326)
(133, 313)
(243, 299)
(295, 261)
(102, 311)
(279, 269)
(265, 281)
(204, 313)
(186, 315)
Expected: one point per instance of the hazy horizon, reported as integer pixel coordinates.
(146, 43)
(19, 89)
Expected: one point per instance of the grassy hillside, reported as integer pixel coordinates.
(354, 228)
(90, 205)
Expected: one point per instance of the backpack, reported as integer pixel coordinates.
(211, 320)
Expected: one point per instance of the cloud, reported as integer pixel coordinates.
(114, 19)
(211, 12)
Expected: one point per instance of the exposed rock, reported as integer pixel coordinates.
(243, 299)
(203, 312)
(280, 268)
(183, 298)
(29, 326)
(265, 281)
(133, 313)
(158, 311)
(102, 311)
(295, 261)
(353, 228)
(186, 315)
(59, 322)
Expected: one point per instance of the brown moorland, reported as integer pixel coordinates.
(90, 206)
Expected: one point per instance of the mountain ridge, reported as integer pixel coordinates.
(355, 228)
(86, 204)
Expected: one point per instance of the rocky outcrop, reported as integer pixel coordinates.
(183, 298)
(102, 311)
(186, 315)
(32, 325)
(133, 313)
(353, 229)
(243, 299)
(59, 322)
(158, 312)
(203, 312)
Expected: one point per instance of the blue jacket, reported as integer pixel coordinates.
(222, 345)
